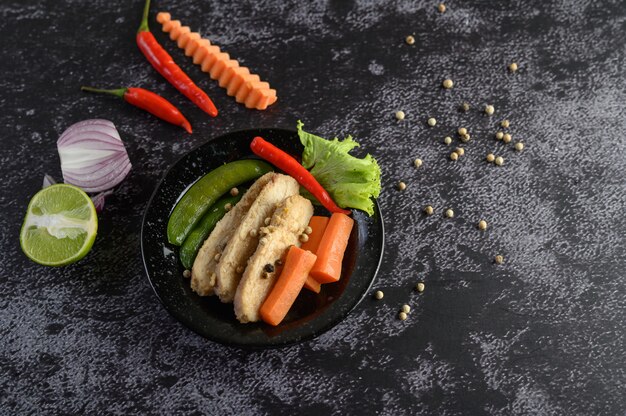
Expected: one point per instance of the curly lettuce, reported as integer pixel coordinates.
(350, 181)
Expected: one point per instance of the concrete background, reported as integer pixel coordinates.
(541, 334)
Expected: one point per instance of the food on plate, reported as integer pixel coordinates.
(245, 238)
(203, 272)
(331, 249)
(247, 88)
(60, 225)
(290, 165)
(243, 246)
(318, 226)
(285, 227)
(202, 194)
(93, 156)
(149, 101)
(165, 65)
(350, 181)
(191, 245)
(298, 263)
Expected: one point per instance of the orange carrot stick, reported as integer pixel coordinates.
(331, 249)
(318, 225)
(289, 284)
(312, 284)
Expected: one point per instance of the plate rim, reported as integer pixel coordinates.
(333, 323)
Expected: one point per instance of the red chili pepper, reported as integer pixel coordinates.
(288, 164)
(149, 101)
(163, 62)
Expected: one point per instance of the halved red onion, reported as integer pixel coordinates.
(93, 156)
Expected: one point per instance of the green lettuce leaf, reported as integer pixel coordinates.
(350, 181)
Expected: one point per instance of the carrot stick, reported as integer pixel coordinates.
(318, 225)
(331, 249)
(312, 284)
(289, 284)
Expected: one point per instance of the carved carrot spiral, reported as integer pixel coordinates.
(247, 88)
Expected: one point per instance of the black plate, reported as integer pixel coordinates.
(312, 313)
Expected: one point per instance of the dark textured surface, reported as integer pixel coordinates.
(541, 334)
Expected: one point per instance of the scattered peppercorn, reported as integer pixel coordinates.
(410, 40)
(465, 107)
(499, 135)
(459, 151)
(499, 160)
(489, 110)
(266, 275)
(420, 287)
(379, 294)
(449, 213)
(512, 67)
(447, 140)
(441, 8)
(400, 115)
(448, 83)
(519, 146)
(490, 157)
(304, 238)
(432, 122)
(187, 274)
(462, 131)
(428, 210)
(402, 316)
(308, 230)
(269, 268)
(418, 162)
(499, 259)
(506, 138)
(454, 156)
(505, 124)
(234, 192)
(406, 308)
(482, 225)
(401, 186)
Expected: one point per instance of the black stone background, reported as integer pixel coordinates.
(541, 334)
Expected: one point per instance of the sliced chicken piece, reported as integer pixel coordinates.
(245, 238)
(203, 270)
(287, 224)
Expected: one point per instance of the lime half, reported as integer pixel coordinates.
(60, 226)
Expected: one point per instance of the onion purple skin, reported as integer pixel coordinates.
(99, 199)
(101, 173)
(47, 181)
(104, 126)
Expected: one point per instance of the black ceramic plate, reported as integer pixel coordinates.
(312, 313)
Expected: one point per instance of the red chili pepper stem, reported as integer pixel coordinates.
(143, 27)
(119, 92)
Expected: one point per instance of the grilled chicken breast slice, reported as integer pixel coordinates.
(203, 270)
(289, 221)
